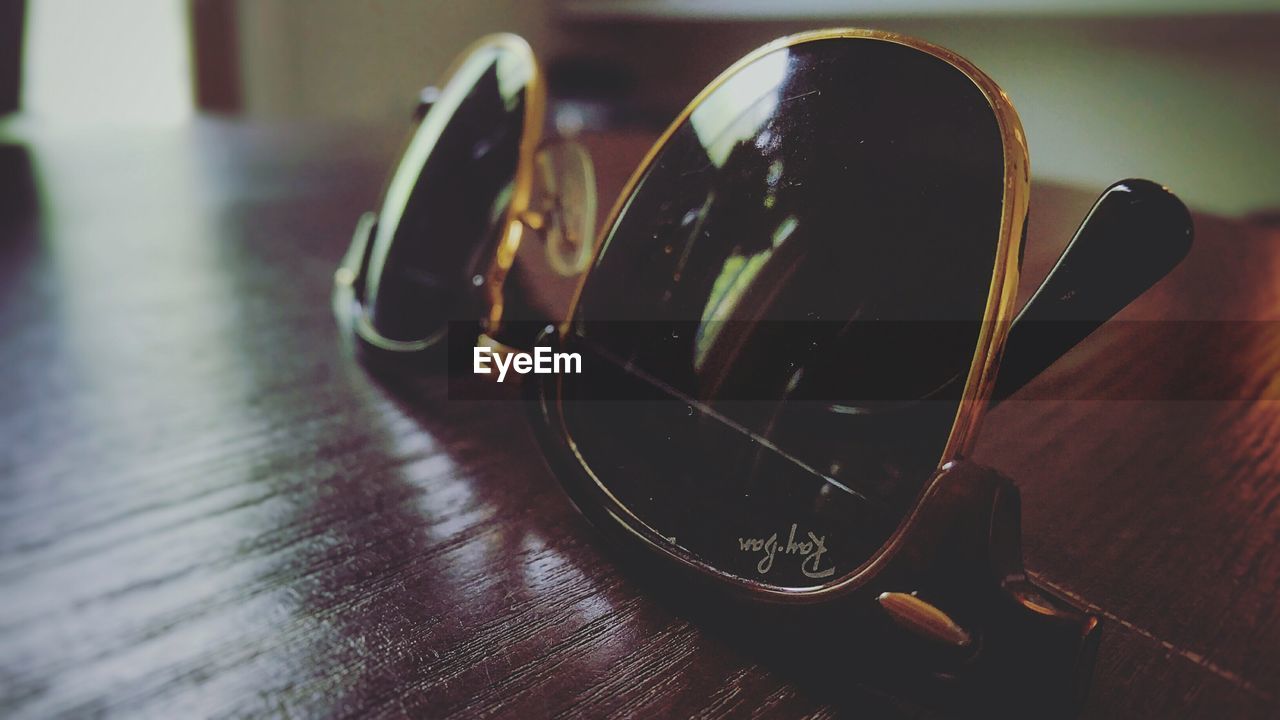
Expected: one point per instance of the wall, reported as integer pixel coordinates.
(1190, 100)
(363, 59)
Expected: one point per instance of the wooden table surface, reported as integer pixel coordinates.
(208, 509)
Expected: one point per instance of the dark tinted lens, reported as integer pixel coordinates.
(777, 331)
(443, 209)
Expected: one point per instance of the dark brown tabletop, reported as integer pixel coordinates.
(208, 509)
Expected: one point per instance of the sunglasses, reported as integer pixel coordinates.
(479, 208)
(789, 333)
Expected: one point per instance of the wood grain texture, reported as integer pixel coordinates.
(1149, 462)
(207, 509)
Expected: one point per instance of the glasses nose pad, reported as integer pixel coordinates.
(565, 206)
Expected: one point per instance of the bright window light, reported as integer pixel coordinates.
(125, 62)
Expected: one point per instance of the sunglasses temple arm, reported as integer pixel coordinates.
(350, 272)
(1136, 233)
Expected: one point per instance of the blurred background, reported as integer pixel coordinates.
(1184, 91)
(207, 510)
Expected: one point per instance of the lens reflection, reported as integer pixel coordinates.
(443, 209)
(804, 264)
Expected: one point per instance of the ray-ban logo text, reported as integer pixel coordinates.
(810, 549)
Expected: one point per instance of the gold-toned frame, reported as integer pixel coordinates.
(512, 224)
(1001, 297)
